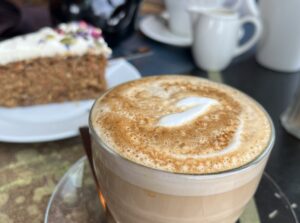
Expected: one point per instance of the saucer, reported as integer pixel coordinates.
(155, 27)
(57, 120)
(74, 201)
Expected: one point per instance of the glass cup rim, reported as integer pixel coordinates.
(248, 165)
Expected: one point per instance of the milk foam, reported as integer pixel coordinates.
(191, 126)
(199, 106)
(235, 142)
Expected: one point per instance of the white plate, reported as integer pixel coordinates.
(155, 28)
(58, 120)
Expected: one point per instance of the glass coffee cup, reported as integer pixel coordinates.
(136, 193)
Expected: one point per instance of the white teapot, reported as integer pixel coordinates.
(279, 48)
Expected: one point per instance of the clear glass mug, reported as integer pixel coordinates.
(135, 193)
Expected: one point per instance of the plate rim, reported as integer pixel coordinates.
(71, 169)
(39, 139)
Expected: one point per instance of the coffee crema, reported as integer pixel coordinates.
(181, 124)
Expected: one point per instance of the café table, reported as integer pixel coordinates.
(29, 172)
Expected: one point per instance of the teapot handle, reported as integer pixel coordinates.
(256, 35)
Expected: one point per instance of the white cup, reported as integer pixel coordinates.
(216, 35)
(179, 22)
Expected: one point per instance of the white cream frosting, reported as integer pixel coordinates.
(76, 38)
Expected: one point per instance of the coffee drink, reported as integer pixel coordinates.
(178, 149)
(182, 124)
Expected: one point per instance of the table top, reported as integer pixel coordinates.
(29, 172)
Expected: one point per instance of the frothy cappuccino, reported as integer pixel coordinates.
(182, 124)
(178, 149)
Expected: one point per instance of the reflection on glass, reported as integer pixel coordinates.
(290, 119)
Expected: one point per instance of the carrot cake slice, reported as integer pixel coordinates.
(53, 65)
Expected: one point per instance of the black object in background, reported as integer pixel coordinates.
(10, 16)
(17, 19)
(116, 18)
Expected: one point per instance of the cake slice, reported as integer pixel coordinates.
(53, 65)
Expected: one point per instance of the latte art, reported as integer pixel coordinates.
(200, 105)
(181, 124)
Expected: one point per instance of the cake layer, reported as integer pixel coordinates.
(53, 65)
(52, 79)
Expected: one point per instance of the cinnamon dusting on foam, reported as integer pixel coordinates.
(182, 124)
